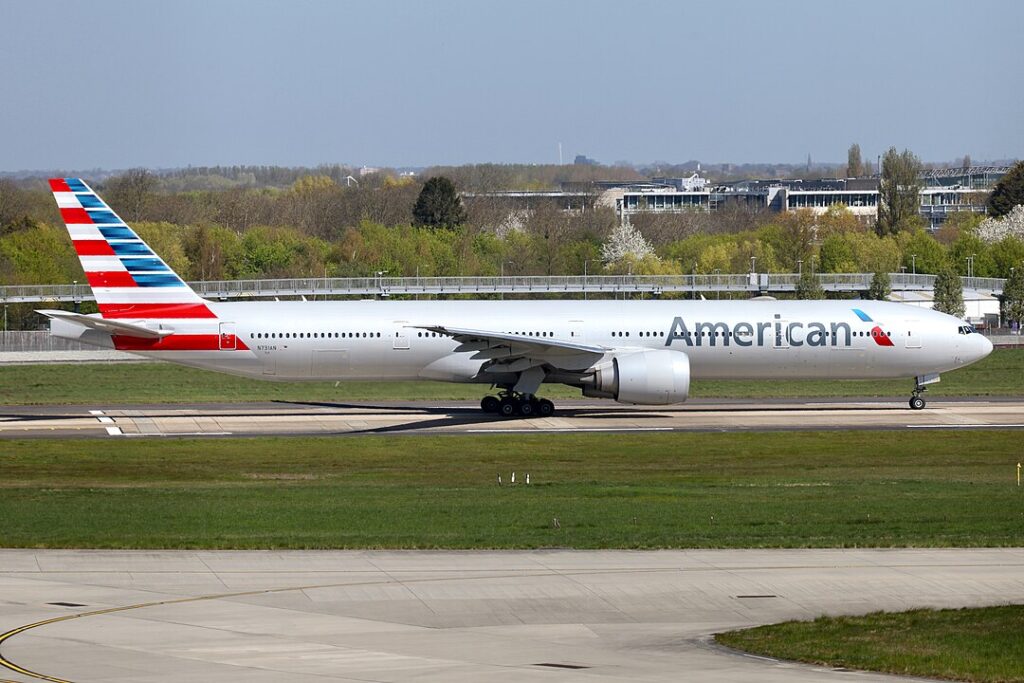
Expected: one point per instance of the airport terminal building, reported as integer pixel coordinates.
(943, 192)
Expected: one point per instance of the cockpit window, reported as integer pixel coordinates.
(967, 329)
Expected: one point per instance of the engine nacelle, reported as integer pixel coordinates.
(645, 378)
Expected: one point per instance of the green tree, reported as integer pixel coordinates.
(1013, 297)
(949, 293)
(898, 192)
(880, 287)
(836, 255)
(854, 165)
(809, 287)
(439, 205)
(969, 246)
(1008, 255)
(1008, 192)
(921, 252)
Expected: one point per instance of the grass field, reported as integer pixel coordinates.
(791, 489)
(983, 644)
(1001, 374)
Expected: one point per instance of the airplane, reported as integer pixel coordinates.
(636, 352)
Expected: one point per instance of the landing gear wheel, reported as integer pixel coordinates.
(545, 408)
(526, 408)
(508, 407)
(916, 403)
(490, 404)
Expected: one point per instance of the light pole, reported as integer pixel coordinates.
(718, 287)
(511, 263)
(800, 267)
(380, 280)
(585, 275)
(913, 263)
(753, 262)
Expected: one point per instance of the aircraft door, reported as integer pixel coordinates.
(780, 334)
(576, 330)
(913, 339)
(401, 338)
(228, 341)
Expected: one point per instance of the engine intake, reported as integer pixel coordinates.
(651, 378)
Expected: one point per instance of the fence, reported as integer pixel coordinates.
(752, 283)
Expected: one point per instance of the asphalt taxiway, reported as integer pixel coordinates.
(289, 418)
(153, 617)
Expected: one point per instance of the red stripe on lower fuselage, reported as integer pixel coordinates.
(112, 278)
(73, 216)
(93, 248)
(181, 342)
(156, 311)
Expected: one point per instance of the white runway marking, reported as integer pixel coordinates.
(95, 412)
(114, 431)
(106, 420)
(972, 426)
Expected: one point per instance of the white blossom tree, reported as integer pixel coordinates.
(625, 241)
(993, 230)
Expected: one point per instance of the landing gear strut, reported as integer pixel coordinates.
(513, 404)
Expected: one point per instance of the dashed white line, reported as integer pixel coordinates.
(114, 431)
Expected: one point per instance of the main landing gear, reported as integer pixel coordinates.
(513, 404)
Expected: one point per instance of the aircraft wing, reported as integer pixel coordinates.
(512, 344)
(117, 327)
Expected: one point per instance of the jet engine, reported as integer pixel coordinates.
(645, 378)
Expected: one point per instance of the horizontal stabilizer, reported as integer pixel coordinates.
(115, 327)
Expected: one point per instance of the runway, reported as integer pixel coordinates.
(322, 419)
(453, 616)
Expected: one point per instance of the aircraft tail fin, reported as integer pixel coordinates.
(128, 279)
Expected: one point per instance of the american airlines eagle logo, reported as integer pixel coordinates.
(877, 333)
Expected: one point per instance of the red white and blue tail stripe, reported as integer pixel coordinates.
(128, 279)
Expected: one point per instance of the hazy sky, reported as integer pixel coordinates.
(301, 82)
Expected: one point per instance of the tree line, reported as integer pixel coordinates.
(319, 226)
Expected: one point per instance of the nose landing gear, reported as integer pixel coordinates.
(916, 401)
(921, 383)
(513, 404)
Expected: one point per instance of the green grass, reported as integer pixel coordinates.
(1001, 374)
(792, 489)
(984, 644)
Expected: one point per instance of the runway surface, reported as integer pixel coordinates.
(150, 617)
(283, 418)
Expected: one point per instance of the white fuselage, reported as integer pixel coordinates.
(759, 339)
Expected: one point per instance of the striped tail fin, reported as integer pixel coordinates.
(128, 279)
